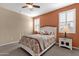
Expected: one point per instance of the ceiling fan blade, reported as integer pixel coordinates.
(29, 3)
(24, 6)
(36, 6)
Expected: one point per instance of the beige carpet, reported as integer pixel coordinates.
(53, 51)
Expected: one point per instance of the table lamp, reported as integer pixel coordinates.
(66, 30)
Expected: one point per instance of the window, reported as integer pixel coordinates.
(68, 18)
(37, 24)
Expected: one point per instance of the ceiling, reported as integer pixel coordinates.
(44, 8)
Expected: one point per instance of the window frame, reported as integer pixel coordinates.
(37, 24)
(67, 22)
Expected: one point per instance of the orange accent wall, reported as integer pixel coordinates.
(52, 19)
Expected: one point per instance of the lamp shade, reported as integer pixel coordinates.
(66, 29)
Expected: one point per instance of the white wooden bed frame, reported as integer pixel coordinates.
(31, 52)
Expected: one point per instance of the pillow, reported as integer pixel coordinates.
(36, 32)
(44, 33)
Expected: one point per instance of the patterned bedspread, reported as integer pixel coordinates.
(36, 42)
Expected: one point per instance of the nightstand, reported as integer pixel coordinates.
(65, 42)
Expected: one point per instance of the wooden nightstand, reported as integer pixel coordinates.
(65, 42)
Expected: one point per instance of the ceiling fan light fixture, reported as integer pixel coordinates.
(30, 6)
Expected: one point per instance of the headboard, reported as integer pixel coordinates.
(49, 29)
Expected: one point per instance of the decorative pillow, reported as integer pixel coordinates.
(46, 33)
(52, 33)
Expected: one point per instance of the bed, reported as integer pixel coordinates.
(37, 44)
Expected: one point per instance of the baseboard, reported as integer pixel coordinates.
(75, 47)
(9, 43)
(57, 43)
(72, 47)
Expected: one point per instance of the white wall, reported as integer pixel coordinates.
(13, 26)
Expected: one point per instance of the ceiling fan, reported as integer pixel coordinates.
(31, 6)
